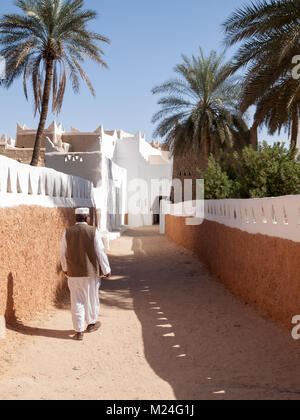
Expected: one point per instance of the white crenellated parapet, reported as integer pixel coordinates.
(276, 217)
(26, 185)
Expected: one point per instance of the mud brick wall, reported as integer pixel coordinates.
(21, 155)
(30, 272)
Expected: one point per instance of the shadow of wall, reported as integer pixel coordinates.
(197, 337)
(264, 271)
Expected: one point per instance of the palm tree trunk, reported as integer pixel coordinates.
(295, 131)
(44, 113)
(254, 135)
(205, 151)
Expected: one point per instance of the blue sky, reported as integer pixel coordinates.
(148, 38)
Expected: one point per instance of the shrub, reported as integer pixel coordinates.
(270, 171)
(217, 183)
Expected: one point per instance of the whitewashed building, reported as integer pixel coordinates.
(122, 168)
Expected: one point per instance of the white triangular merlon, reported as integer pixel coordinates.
(139, 135)
(25, 127)
(19, 128)
(100, 130)
(11, 141)
(60, 127)
(4, 138)
(52, 127)
(74, 130)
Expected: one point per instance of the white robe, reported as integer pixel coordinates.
(85, 304)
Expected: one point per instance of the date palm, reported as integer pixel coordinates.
(270, 36)
(279, 108)
(46, 43)
(199, 108)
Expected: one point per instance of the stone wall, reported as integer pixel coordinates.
(262, 270)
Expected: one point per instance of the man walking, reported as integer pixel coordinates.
(82, 252)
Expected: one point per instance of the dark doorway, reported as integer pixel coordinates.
(156, 215)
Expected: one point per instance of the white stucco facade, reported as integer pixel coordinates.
(273, 216)
(144, 164)
(36, 186)
(122, 168)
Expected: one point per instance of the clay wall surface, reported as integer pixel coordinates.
(27, 141)
(21, 155)
(84, 142)
(36, 207)
(187, 167)
(30, 273)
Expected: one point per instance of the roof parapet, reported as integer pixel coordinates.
(100, 130)
(3, 139)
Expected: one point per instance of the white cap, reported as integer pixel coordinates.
(82, 212)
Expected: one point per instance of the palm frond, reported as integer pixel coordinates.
(199, 108)
(270, 34)
(50, 30)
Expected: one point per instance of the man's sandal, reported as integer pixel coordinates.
(93, 327)
(79, 336)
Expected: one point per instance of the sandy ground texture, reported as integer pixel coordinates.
(170, 331)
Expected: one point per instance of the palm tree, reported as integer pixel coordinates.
(270, 35)
(278, 107)
(199, 108)
(48, 43)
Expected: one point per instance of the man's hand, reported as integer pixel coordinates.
(108, 276)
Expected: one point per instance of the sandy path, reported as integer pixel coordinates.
(169, 332)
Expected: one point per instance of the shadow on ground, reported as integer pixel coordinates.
(20, 328)
(200, 339)
(14, 324)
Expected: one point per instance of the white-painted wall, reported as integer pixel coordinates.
(87, 165)
(109, 182)
(108, 144)
(276, 217)
(134, 155)
(110, 197)
(111, 164)
(26, 185)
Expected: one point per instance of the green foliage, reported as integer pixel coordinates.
(270, 171)
(217, 183)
